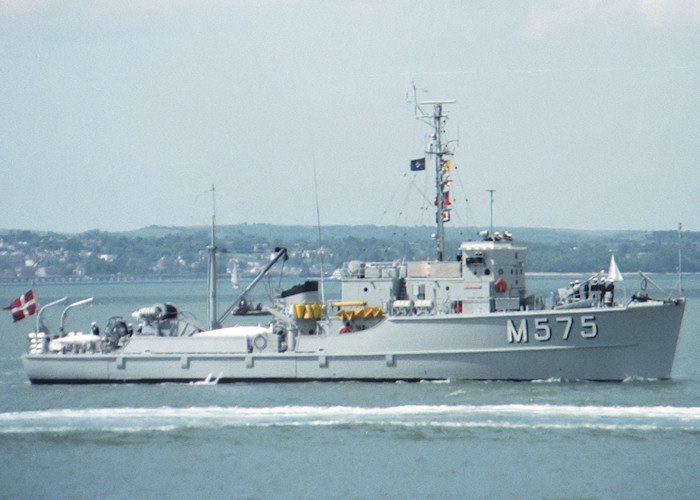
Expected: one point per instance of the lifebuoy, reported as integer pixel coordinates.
(259, 342)
(500, 285)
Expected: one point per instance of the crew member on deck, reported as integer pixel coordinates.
(94, 329)
(595, 290)
(601, 287)
(609, 293)
(346, 328)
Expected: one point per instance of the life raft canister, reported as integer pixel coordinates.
(500, 286)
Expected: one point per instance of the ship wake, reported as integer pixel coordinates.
(611, 419)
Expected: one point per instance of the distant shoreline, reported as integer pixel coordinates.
(146, 279)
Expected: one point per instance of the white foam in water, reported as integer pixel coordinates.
(511, 416)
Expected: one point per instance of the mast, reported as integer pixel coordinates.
(318, 225)
(491, 191)
(439, 148)
(211, 275)
(680, 269)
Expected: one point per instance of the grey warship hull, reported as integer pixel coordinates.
(611, 344)
(468, 318)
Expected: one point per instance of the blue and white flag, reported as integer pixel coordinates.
(417, 165)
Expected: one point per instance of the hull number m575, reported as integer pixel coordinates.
(545, 328)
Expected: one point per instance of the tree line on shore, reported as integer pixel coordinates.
(181, 252)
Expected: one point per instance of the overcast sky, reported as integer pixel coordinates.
(117, 115)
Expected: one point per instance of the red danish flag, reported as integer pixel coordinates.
(22, 306)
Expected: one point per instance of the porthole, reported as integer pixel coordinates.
(487, 271)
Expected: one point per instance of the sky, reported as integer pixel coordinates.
(118, 115)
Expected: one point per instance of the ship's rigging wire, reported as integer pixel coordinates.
(464, 226)
(402, 214)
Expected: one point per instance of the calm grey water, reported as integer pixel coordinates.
(636, 439)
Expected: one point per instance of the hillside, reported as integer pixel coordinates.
(166, 252)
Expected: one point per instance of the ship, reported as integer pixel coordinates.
(468, 317)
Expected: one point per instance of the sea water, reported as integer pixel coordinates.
(449, 439)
